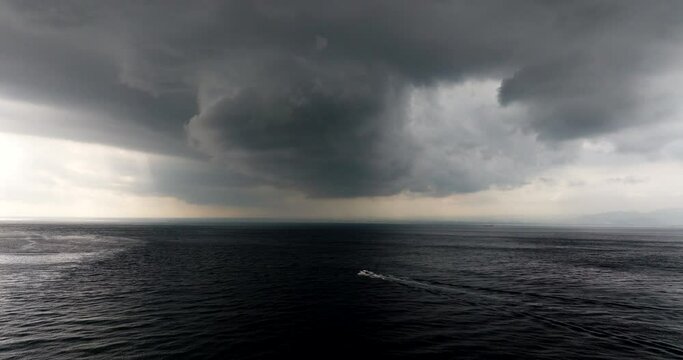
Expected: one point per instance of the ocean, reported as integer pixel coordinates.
(253, 291)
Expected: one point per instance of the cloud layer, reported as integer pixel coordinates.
(345, 98)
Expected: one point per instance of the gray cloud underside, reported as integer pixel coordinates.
(316, 96)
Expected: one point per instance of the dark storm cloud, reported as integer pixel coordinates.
(314, 96)
(327, 135)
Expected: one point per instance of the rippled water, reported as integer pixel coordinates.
(326, 291)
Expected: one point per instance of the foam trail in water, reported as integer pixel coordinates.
(488, 292)
(405, 281)
(371, 274)
(24, 248)
(449, 290)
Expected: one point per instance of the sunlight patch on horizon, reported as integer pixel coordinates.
(11, 156)
(42, 177)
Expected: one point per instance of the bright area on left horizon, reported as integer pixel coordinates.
(54, 178)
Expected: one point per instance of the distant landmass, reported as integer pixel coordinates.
(664, 217)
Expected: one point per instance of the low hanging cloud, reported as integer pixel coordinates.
(348, 98)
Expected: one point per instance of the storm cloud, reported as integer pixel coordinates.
(343, 98)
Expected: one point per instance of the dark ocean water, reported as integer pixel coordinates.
(339, 291)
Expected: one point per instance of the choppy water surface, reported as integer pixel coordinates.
(329, 291)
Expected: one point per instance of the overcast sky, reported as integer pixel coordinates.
(340, 109)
